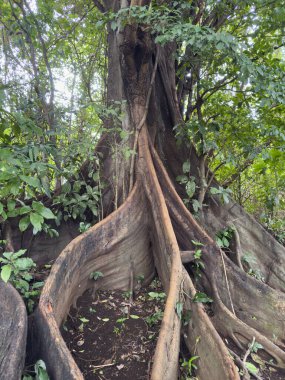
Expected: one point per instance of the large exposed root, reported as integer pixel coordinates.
(256, 303)
(242, 334)
(267, 256)
(114, 246)
(259, 308)
(13, 333)
(169, 267)
(202, 339)
(154, 225)
(110, 247)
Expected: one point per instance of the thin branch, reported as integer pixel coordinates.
(246, 164)
(220, 84)
(47, 63)
(227, 282)
(239, 362)
(65, 35)
(99, 5)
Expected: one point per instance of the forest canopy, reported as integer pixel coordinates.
(230, 82)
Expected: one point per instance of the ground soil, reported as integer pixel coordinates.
(112, 336)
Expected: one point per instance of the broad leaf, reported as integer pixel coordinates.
(31, 181)
(37, 221)
(6, 271)
(24, 223)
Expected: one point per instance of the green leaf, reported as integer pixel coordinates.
(38, 206)
(196, 205)
(84, 320)
(24, 210)
(190, 188)
(38, 285)
(47, 213)
(13, 213)
(41, 372)
(45, 186)
(179, 309)
(186, 167)
(22, 285)
(96, 275)
(11, 204)
(202, 297)
(6, 271)
(15, 187)
(182, 179)
(134, 316)
(66, 188)
(193, 358)
(256, 346)
(4, 215)
(251, 367)
(197, 243)
(24, 263)
(114, 25)
(37, 221)
(8, 255)
(19, 253)
(121, 320)
(31, 181)
(24, 223)
(157, 296)
(214, 190)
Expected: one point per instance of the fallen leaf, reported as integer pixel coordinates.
(125, 309)
(258, 360)
(251, 367)
(84, 320)
(120, 366)
(134, 316)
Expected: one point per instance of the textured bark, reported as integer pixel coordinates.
(152, 226)
(13, 333)
(119, 247)
(41, 247)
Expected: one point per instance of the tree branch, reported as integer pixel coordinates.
(99, 5)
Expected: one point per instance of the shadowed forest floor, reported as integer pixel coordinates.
(120, 331)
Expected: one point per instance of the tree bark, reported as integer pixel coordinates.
(150, 226)
(13, 333)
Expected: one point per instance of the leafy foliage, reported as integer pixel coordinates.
(224, 237)
(230, 84)
(40, 372)
(202, 297)
(18, 270)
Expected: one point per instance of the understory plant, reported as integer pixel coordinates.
(18, 270)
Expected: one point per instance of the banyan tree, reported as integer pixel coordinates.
(154, 73)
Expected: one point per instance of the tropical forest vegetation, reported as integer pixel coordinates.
(142, 150)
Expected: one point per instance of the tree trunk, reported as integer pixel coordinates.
(13, 333)
(150, 225)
